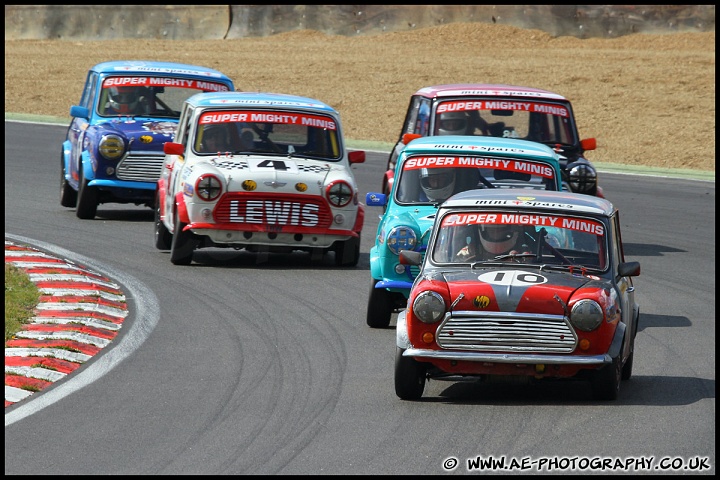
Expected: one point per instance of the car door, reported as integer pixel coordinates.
(79, 126)
(176, 163)
(625, 287)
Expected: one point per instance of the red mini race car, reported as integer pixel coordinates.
(507, 111)
(520, 284)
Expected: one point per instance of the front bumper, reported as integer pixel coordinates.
(514, 358)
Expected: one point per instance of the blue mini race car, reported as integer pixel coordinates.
(113, 150)
(429, 170)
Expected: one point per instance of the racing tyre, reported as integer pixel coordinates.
(605, 382)
(409, 376)
(87, 201)
(380, 307)
(627, 368)
(163, 238)
(347, 253)
(68, 196)
(182, 245)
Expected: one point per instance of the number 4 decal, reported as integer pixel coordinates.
(276, 164)
(273, 164)
(515, 278)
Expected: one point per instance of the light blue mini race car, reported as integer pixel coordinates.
(429, 171)
(113, 150)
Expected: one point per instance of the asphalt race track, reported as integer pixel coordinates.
(247, 364)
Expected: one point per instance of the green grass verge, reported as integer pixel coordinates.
(21, 298)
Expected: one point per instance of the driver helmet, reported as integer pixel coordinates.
(452, 123)
(123, 99)
(437, 183)
(217, 133)
(499, 238)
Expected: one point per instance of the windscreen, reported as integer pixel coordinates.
(433, 179)
(521, 237)
(150, 96)
(538, 121)
(266, 132)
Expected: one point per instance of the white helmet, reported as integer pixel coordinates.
(437, 183)
(498, 238)
(452, 123)
(123, 99)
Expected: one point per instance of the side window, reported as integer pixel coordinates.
(184, 127)
(422, 124)
(417, 119)
(617, 239)
(89, 91)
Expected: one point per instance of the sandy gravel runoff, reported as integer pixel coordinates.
(649, 99)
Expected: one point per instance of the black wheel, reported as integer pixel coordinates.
(380, 307)
(627, 368)
(348, 253)
(409, 376)
(68, 195)
(605, 382)
(182, 244)
(87, 201)
(163, 238)
(386, 188)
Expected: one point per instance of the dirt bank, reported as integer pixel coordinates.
(648, 99)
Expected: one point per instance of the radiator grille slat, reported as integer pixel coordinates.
(505, 333)
(141, 168)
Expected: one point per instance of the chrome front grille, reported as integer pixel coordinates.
(506, 332)
(141, 168)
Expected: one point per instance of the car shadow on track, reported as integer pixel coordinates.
(230, 258)
(639, 390)
(138, 214)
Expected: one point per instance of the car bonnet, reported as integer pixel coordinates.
(514, 289)
(313, 173)
(142, 134)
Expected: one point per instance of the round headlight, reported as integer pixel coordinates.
(583, 178)
(111, 147)
(339, 193)
(586, 315)
(401, 238)
(208, 187)
(429, 307)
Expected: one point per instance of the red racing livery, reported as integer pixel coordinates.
(527, 286)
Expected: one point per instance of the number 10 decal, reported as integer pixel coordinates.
(515, 278)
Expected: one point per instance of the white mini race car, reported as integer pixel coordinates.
(262, 172)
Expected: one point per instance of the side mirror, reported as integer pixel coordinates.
(410, 257)
(629, 269)
(375, 199)
(588, 144)
(357, 156)
(409, 137)
(172, 148)
(79, 112)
